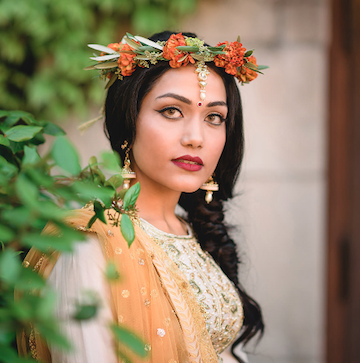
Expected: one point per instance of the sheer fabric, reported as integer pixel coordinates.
(74, 277)
(152, 298)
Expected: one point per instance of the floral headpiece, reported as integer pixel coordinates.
(119, 60)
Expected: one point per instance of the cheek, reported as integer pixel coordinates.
(149, 142)
(217, 146)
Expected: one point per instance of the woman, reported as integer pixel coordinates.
(179, 128)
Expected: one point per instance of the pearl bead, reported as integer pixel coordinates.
(209, 196)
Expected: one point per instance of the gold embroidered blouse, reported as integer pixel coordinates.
(215, 293)
(168, 284)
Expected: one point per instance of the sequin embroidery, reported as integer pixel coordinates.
(216, 294)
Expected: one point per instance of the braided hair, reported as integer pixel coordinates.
(122, 107)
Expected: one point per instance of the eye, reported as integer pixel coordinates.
(170, 112)
(215, 119)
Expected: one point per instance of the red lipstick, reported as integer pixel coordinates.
(187, 162)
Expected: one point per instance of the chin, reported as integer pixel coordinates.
(188, 188)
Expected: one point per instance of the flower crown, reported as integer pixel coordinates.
(119, 60)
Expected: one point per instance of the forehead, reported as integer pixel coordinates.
(184, 81)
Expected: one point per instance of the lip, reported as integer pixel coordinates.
(188, 162)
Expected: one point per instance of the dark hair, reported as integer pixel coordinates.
(122, 106)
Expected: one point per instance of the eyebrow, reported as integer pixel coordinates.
(188, 102)
(216, 103)
(177, 97)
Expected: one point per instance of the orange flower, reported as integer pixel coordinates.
(114, 46)
(233, 59)
(171, 53)
(126, 60)
(245, 74)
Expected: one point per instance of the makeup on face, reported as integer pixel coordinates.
(178, 144)
(188, 162)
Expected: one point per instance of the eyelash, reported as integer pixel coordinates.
(222, 119)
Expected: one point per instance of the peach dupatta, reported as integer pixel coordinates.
(152, 298)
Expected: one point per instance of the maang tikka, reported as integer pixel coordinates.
(210, 186)
(126, 171)
(202, 74)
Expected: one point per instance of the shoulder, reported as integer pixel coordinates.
(84, 266)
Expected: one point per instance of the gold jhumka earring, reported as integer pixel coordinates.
(210, 186)
(126, 171)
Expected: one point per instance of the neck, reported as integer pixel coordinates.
(156, 204)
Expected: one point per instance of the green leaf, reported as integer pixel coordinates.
(217, 49)
(131, 196)
(49, 210)
(148, 42)
(251, 66)
(30, 155)
(4, 140)
(26, 190)
(99, 211)
(113, 78)
(249, 53)
(17, 115)
(188, 48)
(9, 355)
(101, 48)
(3, 113)
(122, 193)
(7, 169)
(91, 221)
(10, 266)
(85, 312)
(111, 161)
(53, 336)
(115, 181)
(93, 163)
(127, 229)
(111, 272)
(45, 242)
(131, 43)
(146, 47)
(88, 191)
(262, 67)
(52, 129)
(22, 132)
(40, 178)
(98, 176)
(66, 156)
(218, 52)
(130, 339)
(6, 233)
(17, 216)
(30, 280)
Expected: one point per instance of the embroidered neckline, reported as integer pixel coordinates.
(152, 231)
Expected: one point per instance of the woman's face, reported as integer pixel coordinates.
(178, 144)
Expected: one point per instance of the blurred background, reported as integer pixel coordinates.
(297, 208)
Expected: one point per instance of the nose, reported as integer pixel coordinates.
(193, 134)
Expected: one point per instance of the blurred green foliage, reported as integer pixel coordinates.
(43, 47)
(31, 196)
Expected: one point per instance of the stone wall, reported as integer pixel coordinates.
(280, 207)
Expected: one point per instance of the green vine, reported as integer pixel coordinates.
(32, 195)
(43, 48)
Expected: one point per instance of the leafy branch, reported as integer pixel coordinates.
(31, 196)
(43, 47)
